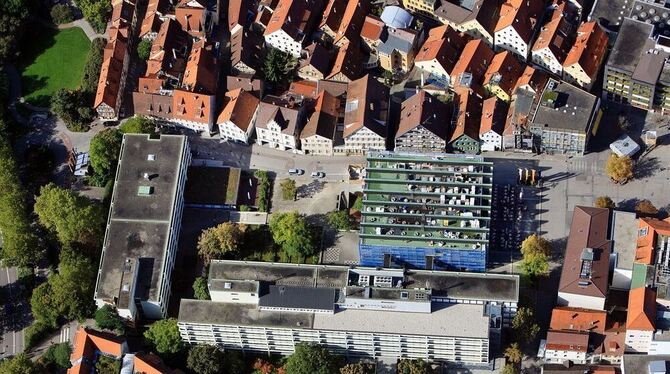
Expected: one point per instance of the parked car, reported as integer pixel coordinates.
(296, 172)
(318, 174)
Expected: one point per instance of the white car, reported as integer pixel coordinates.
(296, 172)
(318, 174)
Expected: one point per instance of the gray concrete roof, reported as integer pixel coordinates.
(138, 224)
(630, 45)
(573, 111)
(464, 320)
(639, 364)
(298, 297)
(624, 236)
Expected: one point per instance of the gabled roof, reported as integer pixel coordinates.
(237, 13)
(494, 115)
(588, 237)
(443, 44)
(293, 16)
(152, 105)
(646, 244)
(122, 13)
(556, 34)
(367, 106)
(170, 39)
(578, 319)
(279, 112)
(504, 71)
(347, 62)
(239, 108)
(324, 119)
(641, 309)
(534, 79)
(248, 84)
(352, 20)
(318, 57)
(422, 109)
(201, 70)
(246, 48)
(194, 107)
(468, 116)
(459, 12)
(475, 60)
(191, 16)
(522, 15)
(87, 342)
(333, 14)
(589, 48)
(568, 341)
(373, 28)
(109, 82)
(149, 363)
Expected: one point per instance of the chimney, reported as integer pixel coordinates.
(174, 53)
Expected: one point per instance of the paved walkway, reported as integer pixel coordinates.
(84, 25)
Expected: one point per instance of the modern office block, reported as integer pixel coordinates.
(426, 211)
(369, 312)
(143, 226)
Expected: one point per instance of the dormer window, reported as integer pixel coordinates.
(151, 157)
(643, 231)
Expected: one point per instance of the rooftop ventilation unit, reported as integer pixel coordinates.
(587, 261)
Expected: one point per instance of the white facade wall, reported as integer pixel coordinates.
(273, 137)
(361, 142)
(558, 356)
(581, 301)
(545, 57)
(195, 126)
(229, 131)
(317, 145)
(510, 40)
(659, 347)
(283, 42)
(491, 141)
(638, 340)
(468, 351)
(225, 296)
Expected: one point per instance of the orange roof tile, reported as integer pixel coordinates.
(532, 78)
(646, 244)
(589, 48)
(191, 18)
(443, 44)
(292, 16)
(347, 62)
(469, 114)
(422, 109)
(303, 87)
(556, 34)
(578, 319)
(474, 59)
(201, 70)
(87, 342)
(494, 115)
(523, 15)
(506, 69)
(239, 108)
(194, 107)
(324, 119)
(111, 70)
(373, 27)
(352, 20)
(641, 309)
(568, 341)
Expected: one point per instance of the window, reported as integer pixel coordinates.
(643, 231)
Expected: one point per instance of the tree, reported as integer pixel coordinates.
(61, 13)
(73, 108)
(535, 251)
(339, 219)
(604, 202)
(138, 125)
(44, 306)
(107, 365)
(19, 364)
(200, 288)
(357, 368)
(513, 353)
(104, 152)
(619, 169)
(89, 82)
(264, 367)
(524, 326)
(217, 241)
(74, 218)
(291, 232)
(414, 366)
(278, 65)
(646, 208)
(164, 336)
(13, 14)
(288, 189)
(144, 49)
(205, 359)
(20, 246)
(96, 12)
(624, 123)
(534, 244)
(57, 355)
(311, 359)
(358, 204)
(510, 369)
(388, 78)
(107, 318)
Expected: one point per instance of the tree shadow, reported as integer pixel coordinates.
(628, 205)
(646, 167)
(33, 83)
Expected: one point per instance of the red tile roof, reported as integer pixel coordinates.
(87, 342)
(111, 71)
(507, 69)
(646, 244)
(475, 59)
(201, 70)
(522, 15)
(191, 16)
(494, 115)
(422, 109)
(568, 341)
(373, 28)
(641, 309)
(293, 16)
(239, 108)
(324, 119)
(589, 48)
(444, 44)
(469, 114)
(535, 79)
(194, 107)
(556, 34)
(578, 319)
(347, 62)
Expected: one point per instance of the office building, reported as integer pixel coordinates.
(565, 120)
(358, 312)
(426, 211)
(140, 243)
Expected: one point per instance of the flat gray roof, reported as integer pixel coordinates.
(639, 364)
(455, 285)
(573, 111)
(298, 297)
(630, 45)
(624, 237)
(138, 224)
(464, 320)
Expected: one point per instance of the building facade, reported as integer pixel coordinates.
(357, 312)
(143, 226)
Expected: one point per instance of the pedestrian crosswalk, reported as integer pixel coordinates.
(65, 334)
(581, 165)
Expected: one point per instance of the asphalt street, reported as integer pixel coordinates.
(12, 333)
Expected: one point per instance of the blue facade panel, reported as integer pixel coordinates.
(444, 259)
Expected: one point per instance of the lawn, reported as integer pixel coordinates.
(51, 59)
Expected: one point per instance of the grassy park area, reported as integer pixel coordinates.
(51, 59)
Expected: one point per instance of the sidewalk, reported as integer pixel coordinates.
(82, 24)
